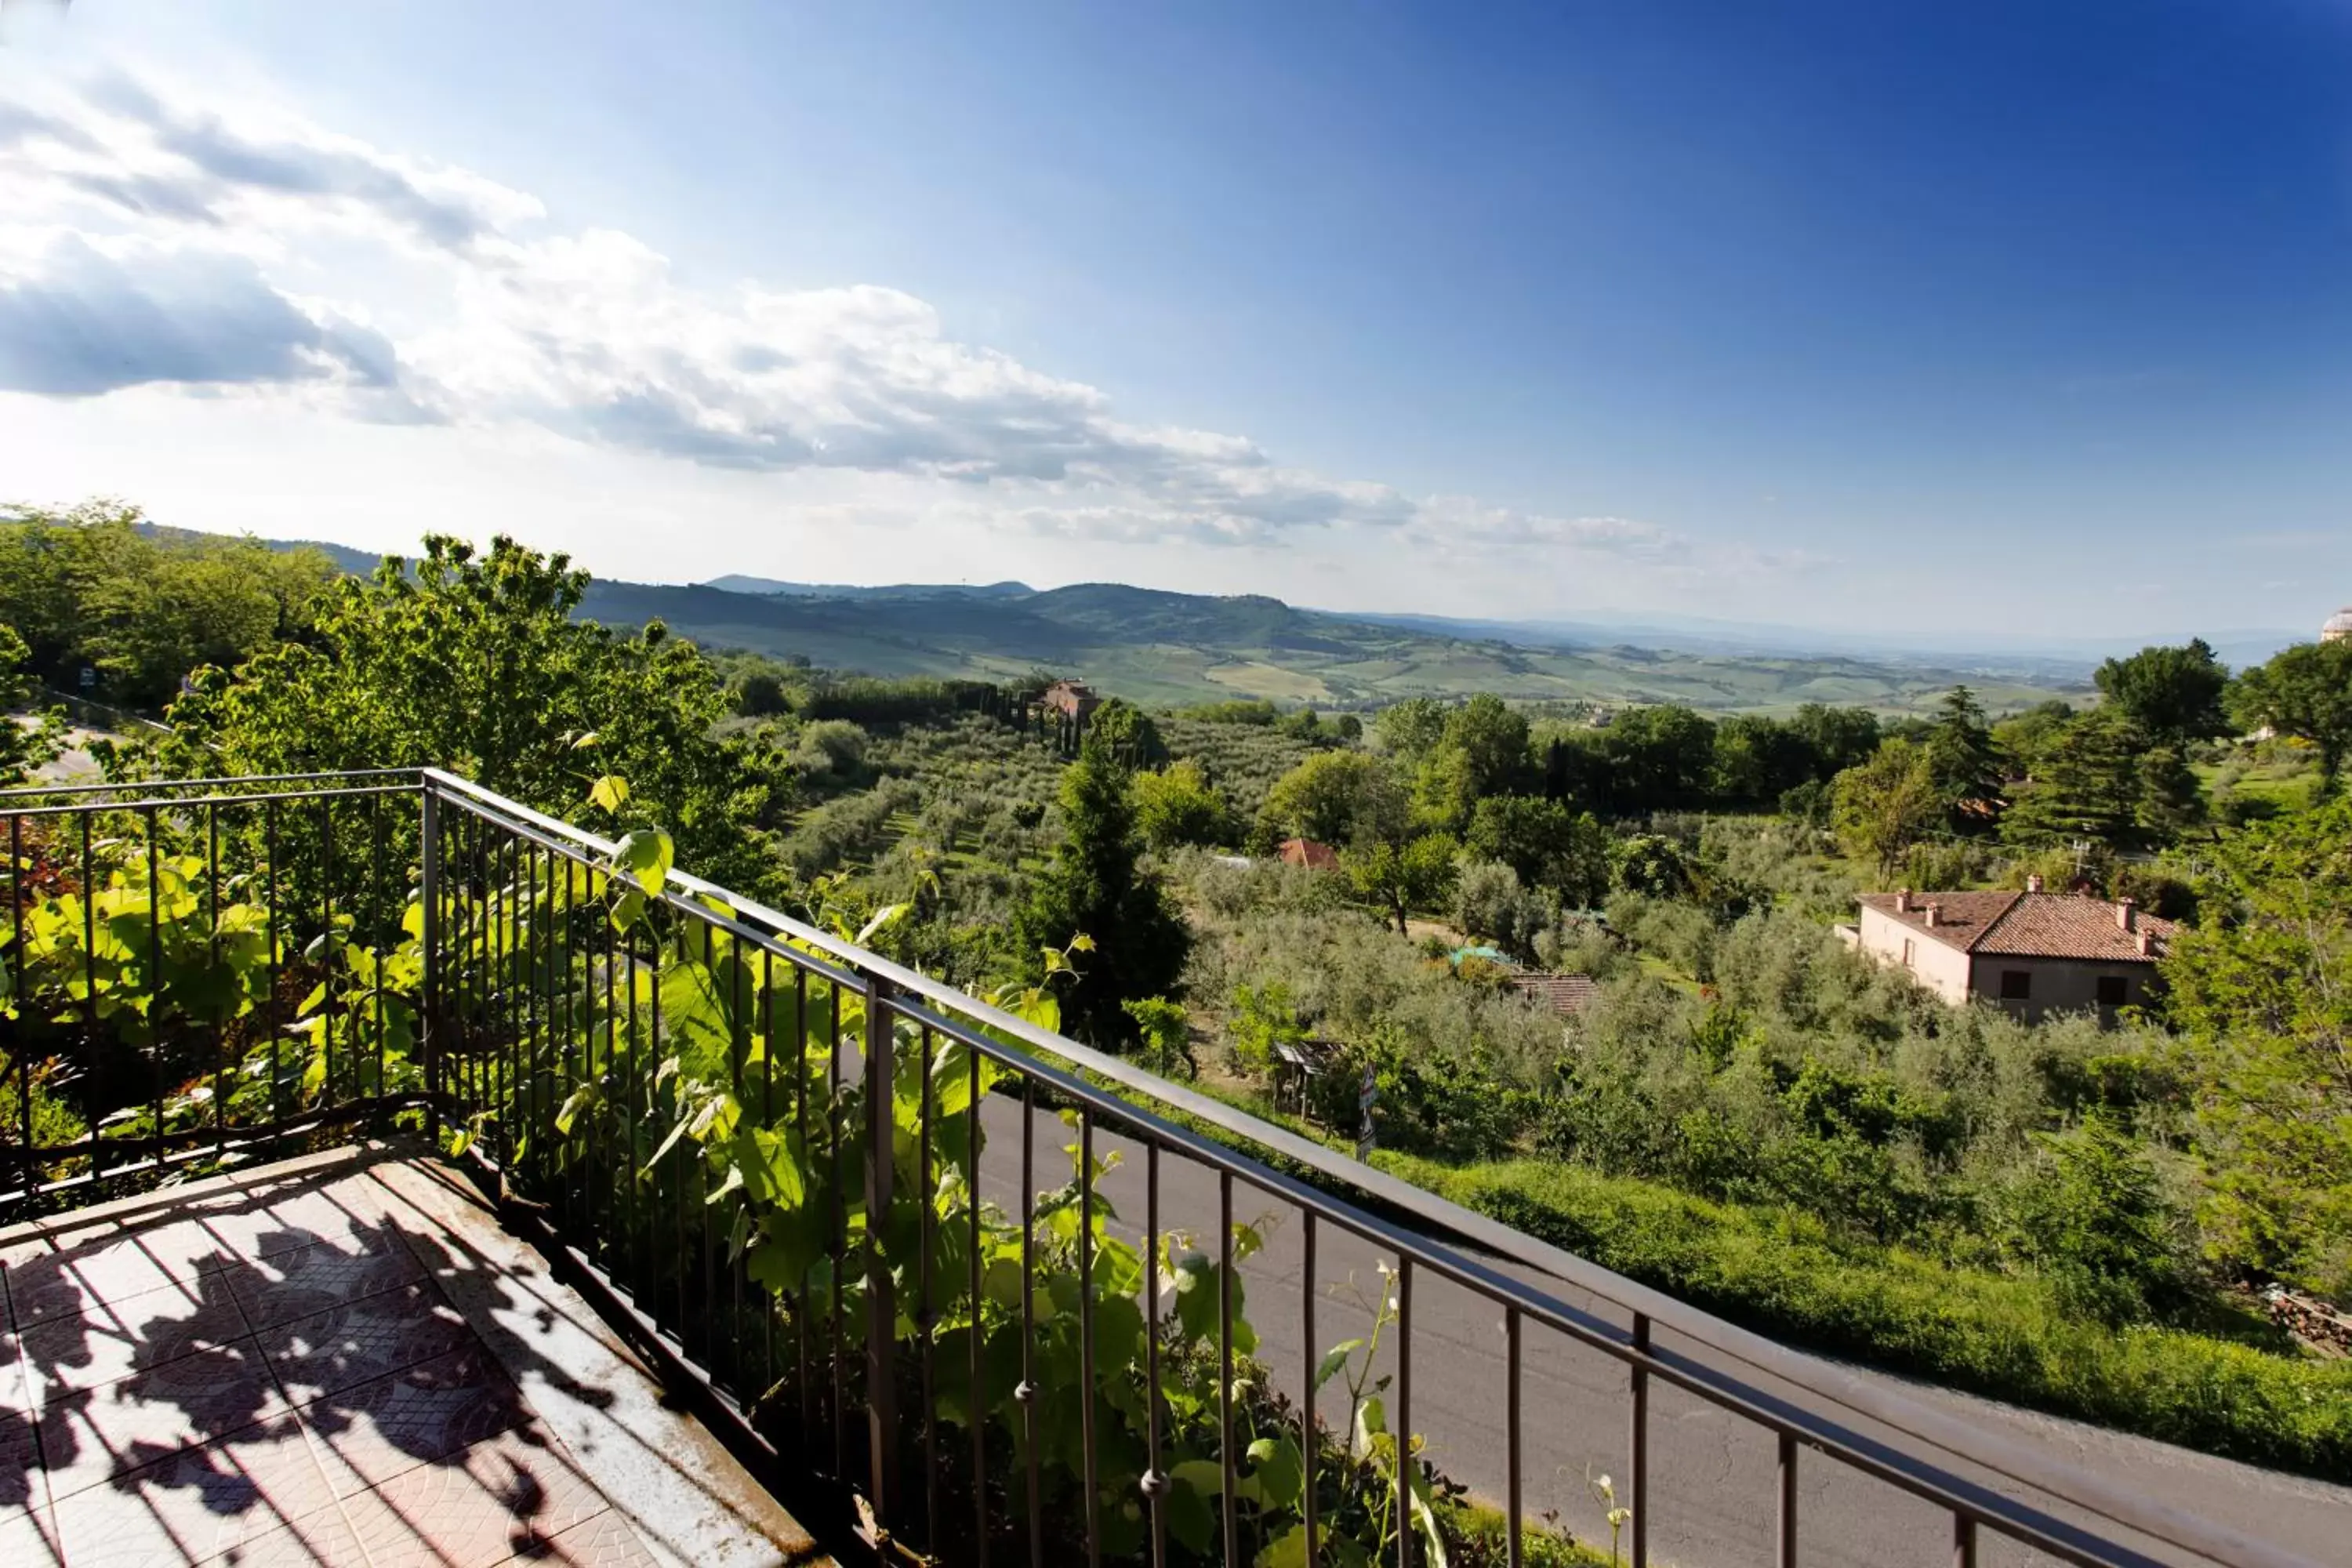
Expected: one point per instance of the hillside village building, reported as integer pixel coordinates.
(1071, 698)
(2032, 953)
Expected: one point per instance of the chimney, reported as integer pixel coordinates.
(1903, 900)
(2034, 883)
(2126, 915)
(1934, 912)
(2147, 944)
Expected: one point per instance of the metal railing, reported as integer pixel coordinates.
(560, 1048)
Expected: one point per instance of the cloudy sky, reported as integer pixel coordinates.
(2000, 322)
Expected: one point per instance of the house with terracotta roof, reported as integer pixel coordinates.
(1565, 994)
(2033, 953)
(1306, 852)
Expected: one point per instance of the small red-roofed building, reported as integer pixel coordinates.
(2032, 953)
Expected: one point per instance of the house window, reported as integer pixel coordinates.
(1908, 951)
(2016, 984)
(2113, 990)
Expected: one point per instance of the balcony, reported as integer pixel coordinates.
(404, 1173)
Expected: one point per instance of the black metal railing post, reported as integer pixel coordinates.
(881, 1297)
(428, 1022)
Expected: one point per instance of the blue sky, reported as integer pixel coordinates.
(2016, 319)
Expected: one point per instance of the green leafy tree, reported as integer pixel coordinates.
(1178, 805)
(1544, 843)
(1961, 751)
(1653, 758)
(1129, 733)
(1840, 737)
(2175, 694)
(2305, 692)
(1491, 903)
(1095, 889)
(1401, 876)
(94, 587)
(477, 664)
(1338, 797)
(1410, 730)
(2085, 782)
(1883, 807)
(1760, 759)
(1483, 751)
(2261, 989)
(27, 742)
(2093, 1216)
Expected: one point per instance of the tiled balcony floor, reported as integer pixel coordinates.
(338, 1361)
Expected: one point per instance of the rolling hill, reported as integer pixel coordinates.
(1158, 647)
(1155, 646)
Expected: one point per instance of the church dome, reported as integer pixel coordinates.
(2338, 627)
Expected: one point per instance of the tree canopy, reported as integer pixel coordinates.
(1097, 889)
(93, 588)
(478, 665)
(2174, 694)
(2262, 987)
(2305, 692)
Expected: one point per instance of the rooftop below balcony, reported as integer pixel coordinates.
(340, 1360)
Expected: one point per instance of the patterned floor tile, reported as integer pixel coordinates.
(24, 1485)
(323, 1541)
(19, 1393)
(607, 1540)
(376, 1431)
(28, 1537)
(95, 1437)
(107, 1341)
(305, 1281)
(350, 1214)
(497, 1501)
(197, 1503)
(367, 1339)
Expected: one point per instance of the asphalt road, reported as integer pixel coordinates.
(1713, 1474)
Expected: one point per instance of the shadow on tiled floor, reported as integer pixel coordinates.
(282, 1373)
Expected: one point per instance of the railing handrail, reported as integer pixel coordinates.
(18, 790)
(1894, 1411)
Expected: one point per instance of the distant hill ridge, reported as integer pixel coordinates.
(1159, 647)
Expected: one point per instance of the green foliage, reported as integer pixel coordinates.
(1401, 877)
(1490, 904)
(94, 587)
(1482, 750)
(2174, 694)
(1884, 805)
(1338, 797)
(1262, 1020)
(477, 664)
(1177, 806)
(1095, 889)
(24, 745)
(2305, 692)
(1961, 756)
(1544, 842)
(1411, 729)
(2084, 782)
(1165, 1033)
(2261, 988)
(2093, 1218)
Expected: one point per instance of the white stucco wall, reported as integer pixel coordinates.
(1942, 969)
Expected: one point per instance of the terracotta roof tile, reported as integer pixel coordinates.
(1566, 994)
(2029, 925)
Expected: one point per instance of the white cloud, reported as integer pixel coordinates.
(156, 239)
